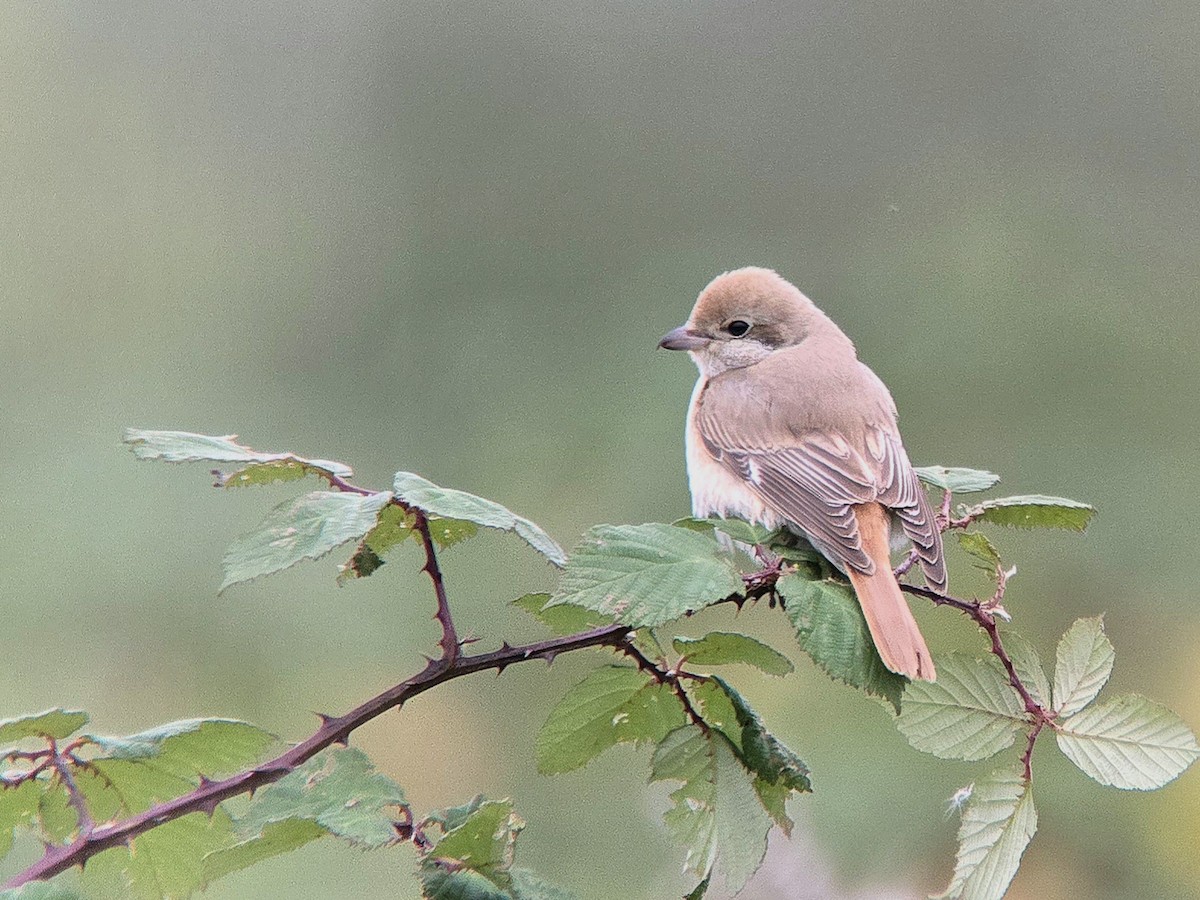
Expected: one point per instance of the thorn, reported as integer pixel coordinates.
(209, 807)
(550, 657)
(505, 646)
(205, 781)
(343, 739)
(326, 719)
(500, 669)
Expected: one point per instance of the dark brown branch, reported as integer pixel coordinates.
(449, 640)
(667, 677)
(333, 730)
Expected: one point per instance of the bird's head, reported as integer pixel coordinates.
(742, 317)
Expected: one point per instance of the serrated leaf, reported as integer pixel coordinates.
(1028, 666)
(957, 480)
(1082, 665)
(614, 704)
(998, 823)
(1034, 511)
(444, 883)
(970, 712)
(452, 504)
(393, 527)
(191, 747)
(452, 817)
(305, 527)
(717, 814)
(339, 790)
(52, 723)
(645, 575)
(1128, 742)
(738, 529)
(830, 627)
(184, 446)
(164, 862)
(485, 840)
(778, 772)
(977, 544)
(276, 838)
(698, 892)
(763, 753)
(721, 648)
(564, 618)
(18, 808)
(265, 473)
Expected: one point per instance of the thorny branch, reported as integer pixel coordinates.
(670, 677)
(984, 613)
(93, 838)
(333, 730)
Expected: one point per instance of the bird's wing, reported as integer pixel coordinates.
(814, 479)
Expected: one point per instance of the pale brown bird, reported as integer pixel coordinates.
(787, 427)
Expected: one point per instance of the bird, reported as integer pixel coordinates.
(786, 427)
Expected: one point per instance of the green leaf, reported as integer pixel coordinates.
(183, 446)
(698, 892)
(340, 791)
(451, 504)
(1084, 661)
(761, 751)
(485, 840)
(721, 648)
(977, 544)
(1034, 511)
(1128, 742)
(830, 627)
(998, 823)
(276, 838)
(718, 815)
(778, 772)
(1028, 666)
(738, 529)
(452, 817)
(564, 618)
(614, 704)
(305, 527)
(167, 861)
(393, 527)
(18, 808)
(645, 575)
(191, 747)
(970, 712)
(53, 723)
(957, 480)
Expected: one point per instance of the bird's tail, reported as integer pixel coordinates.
(892, 625)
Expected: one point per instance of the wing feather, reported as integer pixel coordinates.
(814, 479)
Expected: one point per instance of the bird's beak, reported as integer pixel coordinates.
(682, 338)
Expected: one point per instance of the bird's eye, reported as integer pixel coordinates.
(737, 327)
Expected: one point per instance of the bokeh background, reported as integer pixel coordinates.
(445, 237)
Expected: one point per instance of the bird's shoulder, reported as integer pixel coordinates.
(792, 393)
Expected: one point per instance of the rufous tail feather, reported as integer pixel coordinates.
(893, 628)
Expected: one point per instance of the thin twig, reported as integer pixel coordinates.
(665, 676)
(75, 798)
(449, 640)
(333, 730)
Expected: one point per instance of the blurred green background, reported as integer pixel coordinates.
(446, 237)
